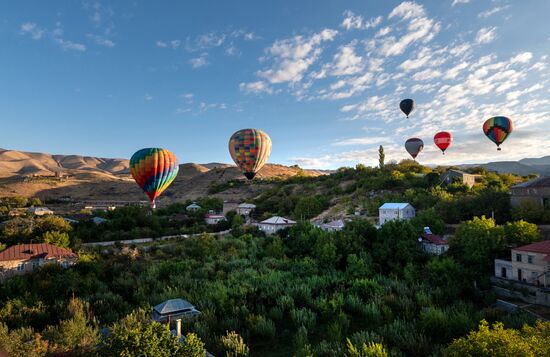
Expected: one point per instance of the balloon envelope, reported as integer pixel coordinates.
(497, 129)
(154, 169)
(250, 149)
(414, 146)
(443, 140)
(407, 106)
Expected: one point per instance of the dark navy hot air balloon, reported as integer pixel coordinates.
(407, 106)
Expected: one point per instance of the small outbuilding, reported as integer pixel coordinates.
(174, 309)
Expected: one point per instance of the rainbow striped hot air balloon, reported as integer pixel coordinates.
(250, 149)
(154, 169)
(497, 129)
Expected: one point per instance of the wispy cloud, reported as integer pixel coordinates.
(33, 30)
(458, 2)
(255, 87)
(486, 35)
(148, 97)
(198, 62)
(37, 33)
(490, 12)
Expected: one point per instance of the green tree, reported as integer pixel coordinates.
(193, 346)
(60, 239)
(370, 349)
(396, 246)
(23, 342)
(77, 334)
(498, 341)
(521, 233)
(136, 335)
(477, 243)
(528, 211)
(52, 223)
(234, 345)
(428, 218)
(381, 157)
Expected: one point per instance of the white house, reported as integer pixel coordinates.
(395, 211)
(332, 226)
(275, 224)
(529, 264)
(432, 243)
(193, 207)
(214, 218)
(244, 209)
(39, 211)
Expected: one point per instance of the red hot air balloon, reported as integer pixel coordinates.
(443, 140)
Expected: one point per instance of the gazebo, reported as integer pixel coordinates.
(174, 309)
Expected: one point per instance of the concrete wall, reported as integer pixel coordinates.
(529, 270)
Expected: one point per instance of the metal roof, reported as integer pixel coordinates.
(247, 205)
(278, 220)
(538, 182)
(538, 247)
(172, 306)
(396, 205)
(35, 251)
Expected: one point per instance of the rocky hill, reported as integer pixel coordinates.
(83, 178)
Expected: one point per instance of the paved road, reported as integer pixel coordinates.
(146, 240)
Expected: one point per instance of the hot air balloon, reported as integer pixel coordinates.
(154, 169)
(443, 140)
(414, 146)
(407, 106)
(250, 149)
(497, 129)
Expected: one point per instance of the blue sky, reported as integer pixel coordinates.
(322, 78)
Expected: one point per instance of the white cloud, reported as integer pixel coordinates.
(69, 45)
(490, 12)
(367, 140)
(426, 75)
(453, 72)
(148, 97)
(457, 2)
(523, 57)
(408, 10)
(101, 41)
(198, 62)
(374, 22)
(422, 59)
(255, 87)
(161, 44)
(346, 62)
(383, 31)
(292, 57)
(486, 35)
(32, 29)
(187, 96)
(175, 44)
(420, 28)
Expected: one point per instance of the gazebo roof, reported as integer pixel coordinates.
(173, 306)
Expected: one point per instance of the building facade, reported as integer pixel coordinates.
(24, 258)
(275, 224)
(536, 192)
(529, 264)
(451, 176)
(213, 218)
(244, 209)
(433, 244)
(395, 211)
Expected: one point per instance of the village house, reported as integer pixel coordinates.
(536, 191)
(432, 243)
(275, 224)
(213, 218)
(174, 309)
(332, 226)
(39, 211)
(529, 264)
(451, 176)
(395, 211)
(229, 206)
(24, 258)
(193, 207)
(244, 209)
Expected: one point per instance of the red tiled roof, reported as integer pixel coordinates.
(34, 251)
(538, 247)
(434, 239)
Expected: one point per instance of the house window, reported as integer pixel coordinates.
(35, 264)
(20, 266)
(530, 259)
(518, 257)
